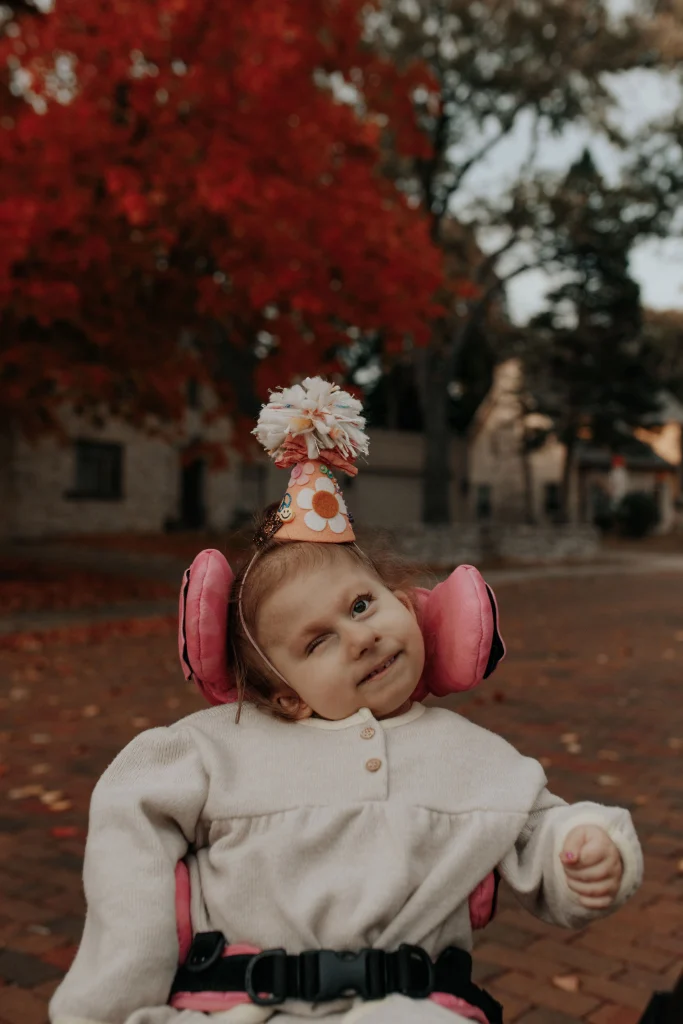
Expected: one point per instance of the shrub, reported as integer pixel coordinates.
(637, 514)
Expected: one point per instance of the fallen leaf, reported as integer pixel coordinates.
(545, 762)
(641, 800)
(669, 654)
(567, 982)
(675, 742)
(38, 929)
(61, 805)
(608, 780)
(28, 643)
(172, 702)
(41, 768)
(602, 659)
(19, 693)
(678, 635)
(679, 867)
(4, 769)
(141, 722)
(609, 755)
(64, 832)
(24, 792)
(574, 748)
(40, 738)
(51, 796)
(569, 737)
(90, 711)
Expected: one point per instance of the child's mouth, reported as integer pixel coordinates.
(380, 670)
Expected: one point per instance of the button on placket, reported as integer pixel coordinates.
(373, 758)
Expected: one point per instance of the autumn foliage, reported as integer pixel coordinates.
(172, 165)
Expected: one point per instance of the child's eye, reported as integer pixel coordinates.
(361, 604)
(315, 643)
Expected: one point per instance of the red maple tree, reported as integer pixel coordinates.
(177, 165)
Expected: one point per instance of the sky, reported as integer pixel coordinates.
(642, 96)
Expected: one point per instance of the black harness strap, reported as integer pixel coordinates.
(318, 975)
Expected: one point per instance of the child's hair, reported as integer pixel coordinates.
(254, 680)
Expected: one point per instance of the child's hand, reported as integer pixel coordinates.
(593, 866)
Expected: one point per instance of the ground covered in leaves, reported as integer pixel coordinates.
(591, 686)
(34, 586)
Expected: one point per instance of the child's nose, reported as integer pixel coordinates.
(362, 638)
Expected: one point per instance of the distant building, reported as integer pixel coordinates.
(115, 479)
(504, 489)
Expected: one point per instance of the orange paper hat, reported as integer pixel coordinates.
(312, 428)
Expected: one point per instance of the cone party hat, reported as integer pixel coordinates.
(313, 428)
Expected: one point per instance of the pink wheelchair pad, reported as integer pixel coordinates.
(202, 628)
(459, 620)
(481, 904)
(183, 921)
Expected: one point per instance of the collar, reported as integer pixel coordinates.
(365, 715)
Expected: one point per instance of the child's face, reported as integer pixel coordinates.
(342, 640)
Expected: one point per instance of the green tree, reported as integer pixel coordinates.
(586, 358)
(495, 65)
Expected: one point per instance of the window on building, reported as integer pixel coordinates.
(98, 471)
(483, 504)
(552, 502)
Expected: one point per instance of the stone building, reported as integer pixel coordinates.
(504, 489)
(114, 479)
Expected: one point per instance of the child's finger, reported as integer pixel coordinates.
(608, 887)
(572, 851)
(593, 851)
(596, 902)
(594, 873)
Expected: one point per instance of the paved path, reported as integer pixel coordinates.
(592, 686)
(168, 568)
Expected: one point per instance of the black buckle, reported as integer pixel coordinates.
(265, 981)
(415, 972)
(206, 948)
(327, 974)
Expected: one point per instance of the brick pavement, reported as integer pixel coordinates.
(591, 686)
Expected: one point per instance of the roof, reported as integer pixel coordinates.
(636, 453)
(670, 411)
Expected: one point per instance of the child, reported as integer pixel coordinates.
(333, 812)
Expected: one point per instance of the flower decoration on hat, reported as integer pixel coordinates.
(326, 505)
(311, 428)
(301, 473)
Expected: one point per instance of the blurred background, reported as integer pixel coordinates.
(466, 211)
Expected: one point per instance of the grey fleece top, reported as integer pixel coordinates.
(315, 834)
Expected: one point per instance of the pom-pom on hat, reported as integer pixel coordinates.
(313, 428)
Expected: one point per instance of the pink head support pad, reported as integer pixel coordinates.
(203, 625)
(459, 621)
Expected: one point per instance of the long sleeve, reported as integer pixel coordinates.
(143, 816)
(534, 871)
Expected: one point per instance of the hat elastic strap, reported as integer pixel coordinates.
(250, 638)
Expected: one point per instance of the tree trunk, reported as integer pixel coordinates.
(7, 490)
(528, 480)
(436, 473)
(569, 460)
